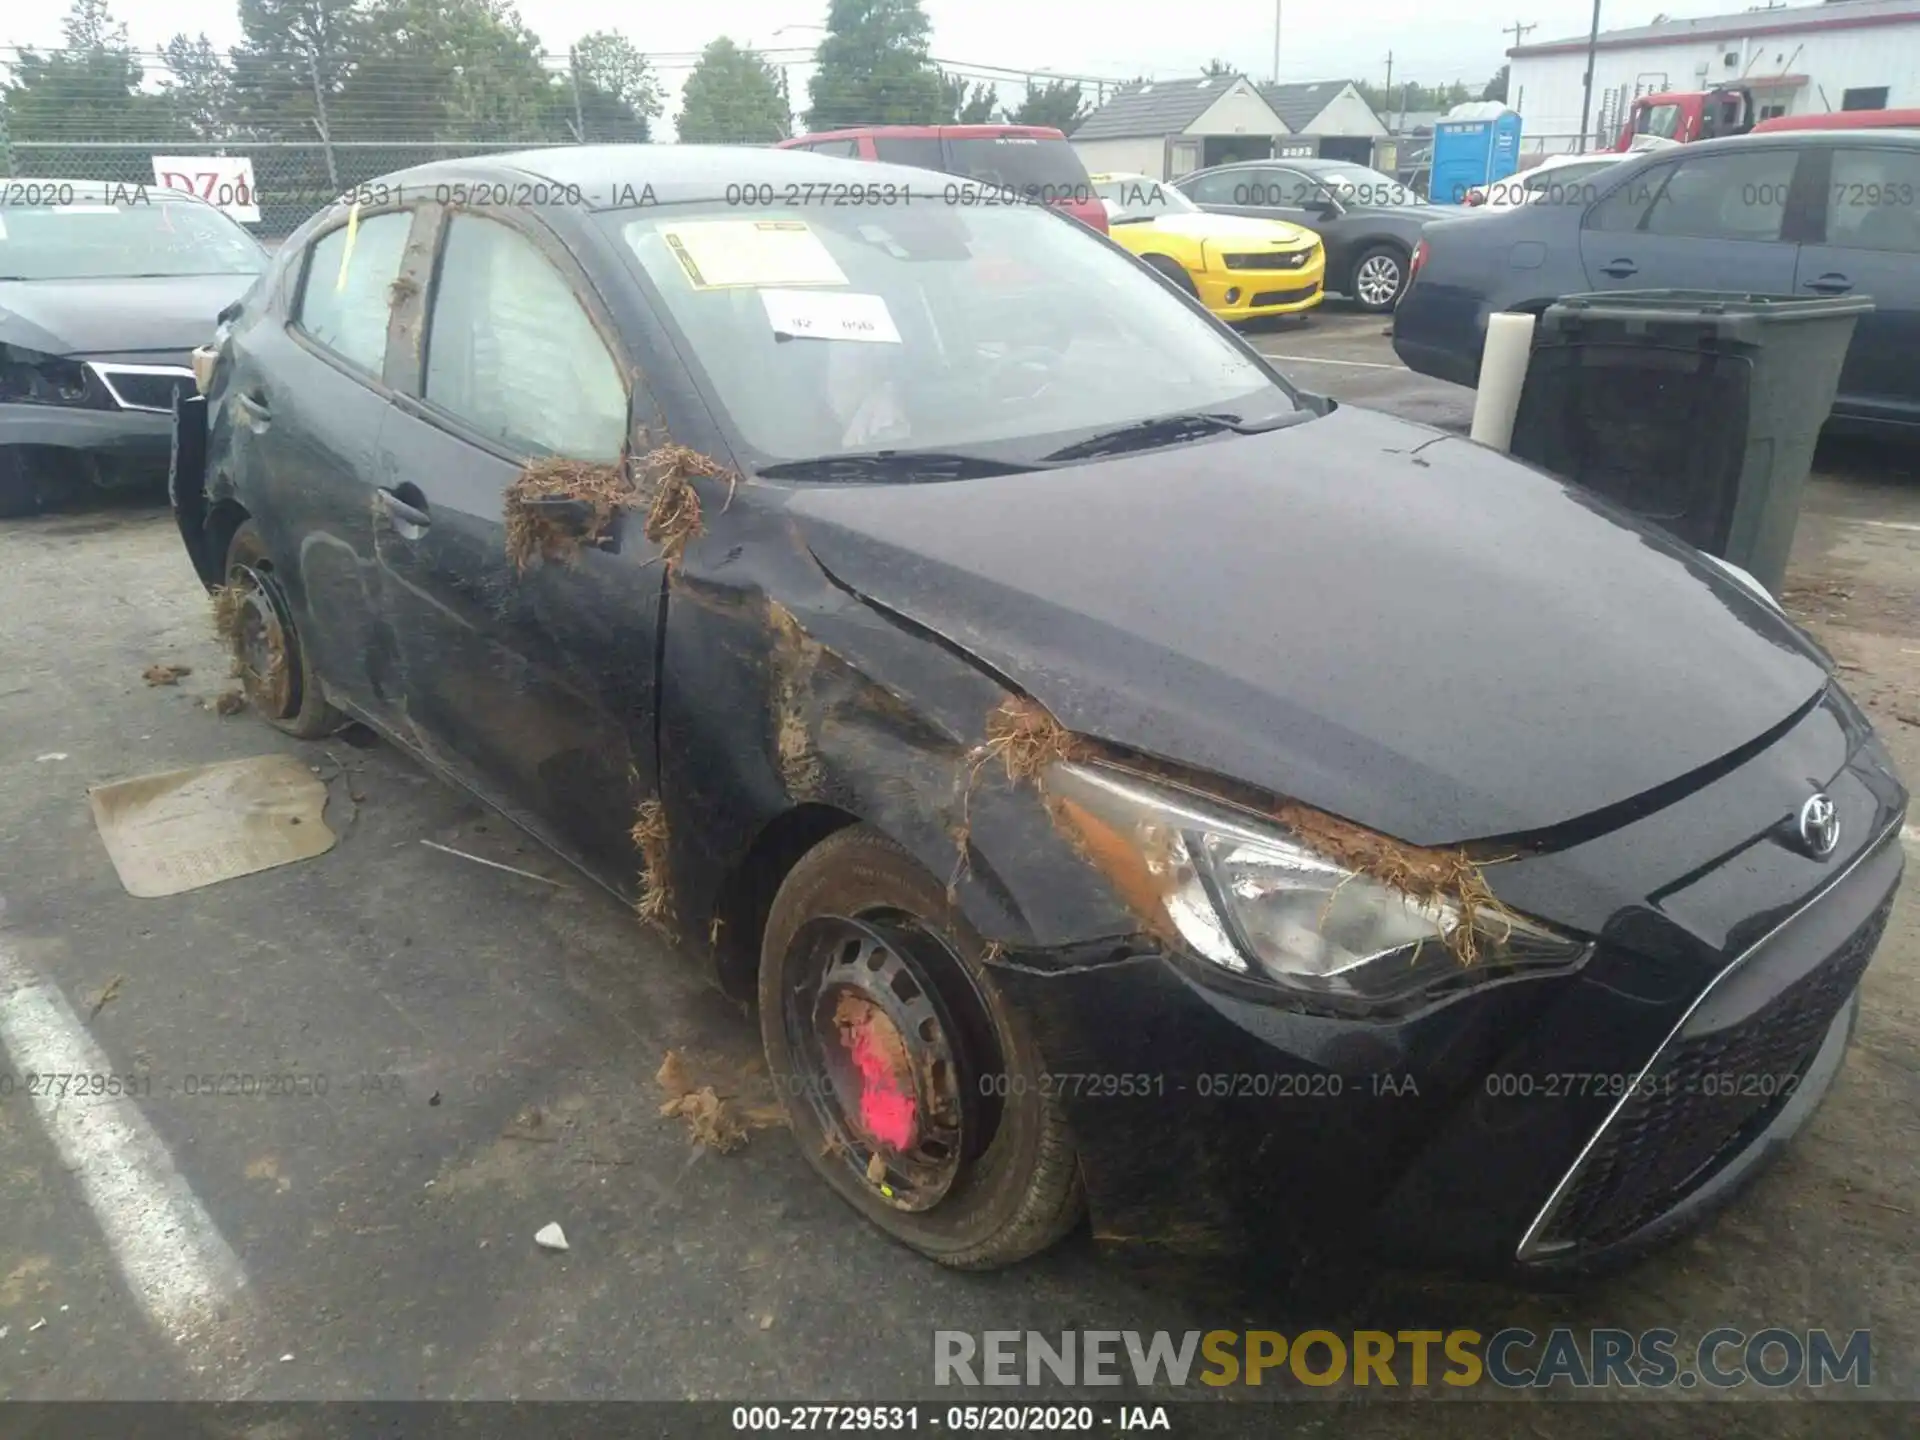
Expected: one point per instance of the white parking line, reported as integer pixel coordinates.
(1889, 524)
(1910, 835)
(1321, 360)
(180, 1269)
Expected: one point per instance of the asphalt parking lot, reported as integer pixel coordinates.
(490, 1043)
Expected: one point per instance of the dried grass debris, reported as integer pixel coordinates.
(227, 603)
(1429, 877)
(607, 489)
(709, 1119)
(228, 702)
(1024, 737)
(650, 838)
(165, 674)
(674, 520)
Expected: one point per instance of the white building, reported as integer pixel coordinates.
(1843, 55)
(1166, 128)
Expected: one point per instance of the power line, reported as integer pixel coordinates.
(1518, 31)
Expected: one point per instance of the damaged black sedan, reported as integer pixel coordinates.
(1126, 785)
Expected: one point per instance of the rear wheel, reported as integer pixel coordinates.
(1174, 271)
(1379, 276)
(274, 668)
(912, 1087)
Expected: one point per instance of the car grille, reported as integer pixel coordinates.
(1283, 297)
(146, 387)
(1279, 260)
(1704, 1103)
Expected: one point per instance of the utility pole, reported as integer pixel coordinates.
(1586, 95)
(1389, 72)
(1276, 42)
(1519, 32)
(320, 121)
(579, 115)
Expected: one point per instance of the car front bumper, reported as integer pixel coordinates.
(1534, 1128)
(1249, 294)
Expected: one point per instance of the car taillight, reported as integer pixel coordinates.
(1476, 197)
(1419, 259)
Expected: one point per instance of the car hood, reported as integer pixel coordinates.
(1382, 621)
(121, 316)
(1226, 227)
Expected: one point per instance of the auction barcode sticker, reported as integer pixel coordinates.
(830, 315)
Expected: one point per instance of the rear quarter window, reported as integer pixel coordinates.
(921, 151)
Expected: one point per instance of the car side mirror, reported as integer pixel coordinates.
(563, 512)
(1326, 207)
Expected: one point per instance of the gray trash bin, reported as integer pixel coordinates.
(1698, 410)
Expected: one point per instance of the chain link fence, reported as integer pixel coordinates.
(291, 179)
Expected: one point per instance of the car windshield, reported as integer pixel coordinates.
(1661, 120)
(1008, 329)
(89, 240)
(1139, 197)
(1357, 185)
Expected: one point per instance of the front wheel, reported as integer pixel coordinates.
(1378, 278)
(912, 1087)
(1174, 271)
(274, 667)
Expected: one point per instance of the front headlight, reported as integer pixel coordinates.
(1245, 895)
(28, 377)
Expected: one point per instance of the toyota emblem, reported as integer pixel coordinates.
(1819, 826)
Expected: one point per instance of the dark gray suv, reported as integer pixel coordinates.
(1833, 212)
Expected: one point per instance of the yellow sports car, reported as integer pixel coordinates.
(1238, 267)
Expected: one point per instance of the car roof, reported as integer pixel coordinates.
(614, 177)
(1309, 163)
(933, 132)
(1904, 139)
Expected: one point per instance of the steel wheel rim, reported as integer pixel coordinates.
(1379, 279)
(892, 1078)
(263, 646)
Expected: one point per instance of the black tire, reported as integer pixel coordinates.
(1372, 266)
(288, 696)
(19, 494)
(1020, 1191)
(1174, 271)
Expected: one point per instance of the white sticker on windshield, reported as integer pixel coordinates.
(830, 315)
(728, 254)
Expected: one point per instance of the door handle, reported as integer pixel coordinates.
(1619, 269)
(1830, 284)
(406, 514)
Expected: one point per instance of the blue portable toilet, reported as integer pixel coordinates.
(1475, 145)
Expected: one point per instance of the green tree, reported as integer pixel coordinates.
(872, 68)
(87, 90)
(1057, 103)
(292, 49)
(962, 104)
(1219, 67)
(733, 97)
(1496, 88)
(448, 70)
(620, 96)
(198, 88)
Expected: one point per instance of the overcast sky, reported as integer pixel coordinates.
(1432, 40)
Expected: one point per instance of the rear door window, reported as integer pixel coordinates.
(344, 297)
(1871, 200)
(511, 352)
(840, 149)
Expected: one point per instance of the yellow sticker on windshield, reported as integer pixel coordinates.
(731, 254)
